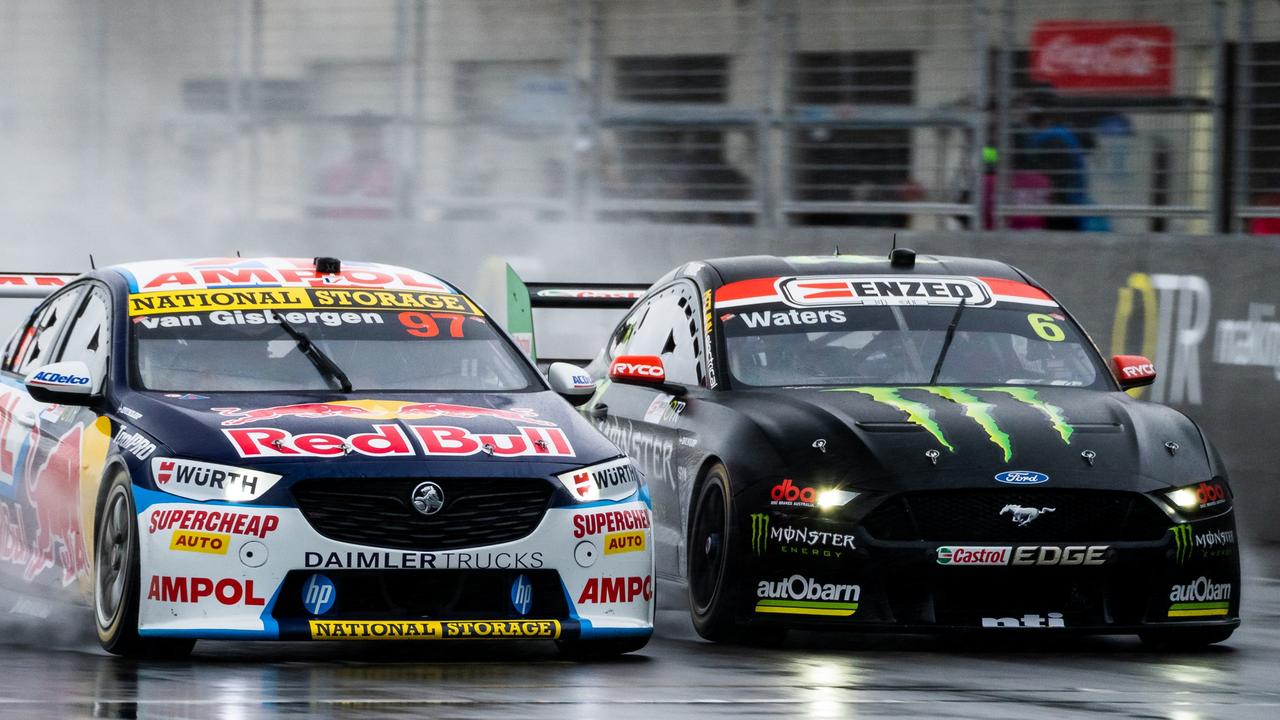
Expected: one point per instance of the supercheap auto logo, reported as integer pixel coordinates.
(976, 408)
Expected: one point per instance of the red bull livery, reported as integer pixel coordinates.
(288, 449)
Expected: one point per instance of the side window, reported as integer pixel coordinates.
(90, 334)
(36, 350)
(11, 347)
(668, 328)
(621, 338)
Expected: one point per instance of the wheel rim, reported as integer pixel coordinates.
(707, 549)
(115, 545)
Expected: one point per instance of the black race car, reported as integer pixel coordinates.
(915, 444)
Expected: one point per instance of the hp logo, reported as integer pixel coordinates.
(318, 594)
(521, 594)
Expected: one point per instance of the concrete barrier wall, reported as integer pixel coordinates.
(1203, 308)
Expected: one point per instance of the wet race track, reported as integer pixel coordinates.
(677, 675)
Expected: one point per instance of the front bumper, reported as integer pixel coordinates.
(265, 573)
(847, 579)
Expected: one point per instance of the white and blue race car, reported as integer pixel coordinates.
(288, 449)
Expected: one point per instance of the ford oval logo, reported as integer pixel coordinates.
(1022, 477)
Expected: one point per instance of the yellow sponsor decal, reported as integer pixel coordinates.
(180, 301)
(434, 629)
(624, 542)
(288, 298)
(393, 300)
(203, 542)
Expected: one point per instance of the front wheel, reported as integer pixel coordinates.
(116, 584)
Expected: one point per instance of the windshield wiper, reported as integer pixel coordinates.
(329, 370)
(946, 342)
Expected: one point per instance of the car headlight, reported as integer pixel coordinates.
(202, 481)
(613, 480)
(1207, 498)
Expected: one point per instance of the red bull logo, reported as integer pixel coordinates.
(378, 410)
(54, 492)
(391, 441)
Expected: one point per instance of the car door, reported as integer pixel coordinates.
(644, 421)
(33, 529)
(78, 441)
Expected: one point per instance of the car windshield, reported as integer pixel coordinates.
(774, 345)
(229, 350)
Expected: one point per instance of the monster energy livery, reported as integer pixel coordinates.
(908, 443)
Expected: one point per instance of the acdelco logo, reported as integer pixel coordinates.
(49, 378)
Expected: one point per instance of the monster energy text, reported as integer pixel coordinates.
(1213, 543)
(795, 540)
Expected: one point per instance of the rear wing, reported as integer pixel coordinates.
(523, 297)
(32, 285)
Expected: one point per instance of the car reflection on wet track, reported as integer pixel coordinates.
(677, 675)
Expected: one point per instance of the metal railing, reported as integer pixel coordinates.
(933, 114)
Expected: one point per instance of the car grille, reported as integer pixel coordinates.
(975, 516)
(378, 512)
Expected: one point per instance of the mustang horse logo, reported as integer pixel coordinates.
(1024, 515)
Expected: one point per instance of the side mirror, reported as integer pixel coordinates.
(571, 382)
(65, 383)
(1133, 371)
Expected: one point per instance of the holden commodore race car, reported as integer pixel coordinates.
(914, 444)
(286, 449)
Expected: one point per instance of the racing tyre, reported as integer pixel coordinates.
(116, 584)
(1189, 639)
(599, 649)
(714, 593)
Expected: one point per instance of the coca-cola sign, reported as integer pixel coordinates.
(1102, 57)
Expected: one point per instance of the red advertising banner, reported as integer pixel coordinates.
(1103, 57)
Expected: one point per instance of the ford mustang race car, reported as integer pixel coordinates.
(911, 443)
(295, 450)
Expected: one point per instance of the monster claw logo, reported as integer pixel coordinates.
(917, 412)
(1182, 541)
(759, 533)
(979, 412)
(974, 408)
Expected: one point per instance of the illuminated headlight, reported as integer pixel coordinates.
(613, 480)
(835, 498)
(1210, 497)
(202, 481)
